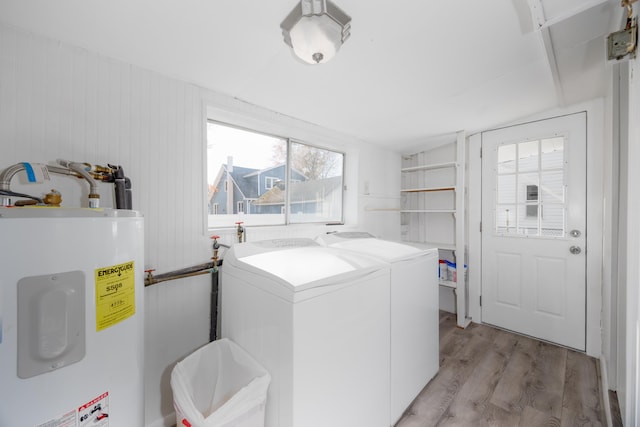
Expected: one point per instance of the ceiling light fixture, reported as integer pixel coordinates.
(315, 30)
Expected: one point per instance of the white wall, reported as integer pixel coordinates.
(612, 204)
(629, 299)
(59, 101)
(621, 317)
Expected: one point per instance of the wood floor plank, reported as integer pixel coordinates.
(483, 331)
(452, 342)
(504, 343)
(616, 416)
(460, 355)
(472, 401)
(429, 406)
(494, 416)
(532, 417)
(582, 403)
(549, 377)
(533, 379)
(511, 392)
(492, 377)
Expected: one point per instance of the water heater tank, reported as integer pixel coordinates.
(71, 317)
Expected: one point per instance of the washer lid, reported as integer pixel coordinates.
(301, 264)
(385, 250)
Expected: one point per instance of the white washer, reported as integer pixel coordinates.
(318, 320)
(414, 311)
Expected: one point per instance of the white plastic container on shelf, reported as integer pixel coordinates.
(453, 271)
(443, 272)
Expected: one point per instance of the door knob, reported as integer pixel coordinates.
(575, 233)
(575, 250)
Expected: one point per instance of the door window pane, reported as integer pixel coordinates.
(532, 201)
(552, 221)
(552, 153)
(507, 158)
(527, 223)
(526, 182)
(506, 189)
(506, 219)
(552, 186)
(528, 156)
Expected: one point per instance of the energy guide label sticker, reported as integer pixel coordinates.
(115, 294)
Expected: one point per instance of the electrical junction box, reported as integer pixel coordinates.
(622, 43)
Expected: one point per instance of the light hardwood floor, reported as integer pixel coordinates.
(490, 377)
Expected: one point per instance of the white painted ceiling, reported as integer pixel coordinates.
(413, 70)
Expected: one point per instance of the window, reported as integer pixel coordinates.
(530, 192)
(270, 180)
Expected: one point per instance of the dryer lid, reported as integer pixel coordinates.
(385, 250)
(301, 265)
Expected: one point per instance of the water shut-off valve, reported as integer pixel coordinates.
(240, 231)
(215, 247)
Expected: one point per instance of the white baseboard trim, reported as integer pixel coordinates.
(604, 385)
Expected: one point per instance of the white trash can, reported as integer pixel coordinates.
(219, 385)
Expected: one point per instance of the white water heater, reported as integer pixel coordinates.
(71, 317)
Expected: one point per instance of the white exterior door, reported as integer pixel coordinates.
(533, 229)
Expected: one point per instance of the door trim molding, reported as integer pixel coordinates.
(596, 141)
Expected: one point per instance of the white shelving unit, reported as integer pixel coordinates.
(433, 206)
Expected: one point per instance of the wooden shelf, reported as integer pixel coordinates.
(427, 189)
(421, 225)
(429, 167)
(448, 284)
(440, 245)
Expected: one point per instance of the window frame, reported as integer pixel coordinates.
(286, 208)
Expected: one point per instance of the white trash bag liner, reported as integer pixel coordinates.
(219, 385)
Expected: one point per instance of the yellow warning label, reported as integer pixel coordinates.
(115, 294)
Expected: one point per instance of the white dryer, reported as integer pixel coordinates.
(318, 320)
(414, 310)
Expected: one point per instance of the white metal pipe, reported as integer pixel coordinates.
(80, 169)
(7, 174)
